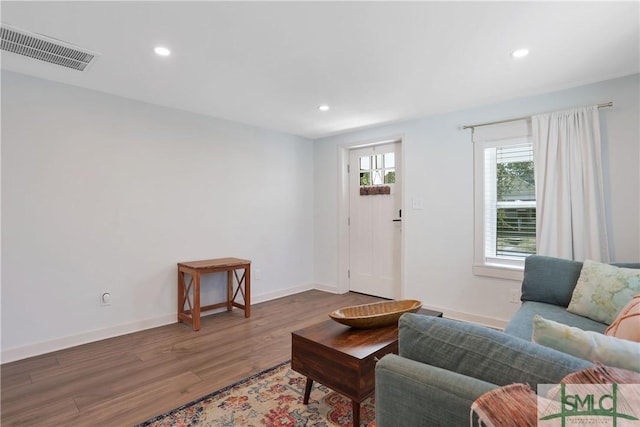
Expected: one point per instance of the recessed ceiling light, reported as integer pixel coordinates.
(323, 108)
(519, 53)
(162, 51)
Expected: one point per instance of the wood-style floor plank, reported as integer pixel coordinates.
(125, 380)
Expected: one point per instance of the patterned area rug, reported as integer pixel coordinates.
(272, 398)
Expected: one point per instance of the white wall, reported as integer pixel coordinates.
(101, 193)
(438, 166)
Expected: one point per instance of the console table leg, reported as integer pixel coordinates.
(356, 413)
(247, 292)
(181, 286)
(307, 391)
(229, 290)
(195, 315)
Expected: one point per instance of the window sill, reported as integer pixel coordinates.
(499, 271)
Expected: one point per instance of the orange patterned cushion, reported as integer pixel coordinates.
(627, 324)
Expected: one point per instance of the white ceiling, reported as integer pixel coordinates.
(271, 64)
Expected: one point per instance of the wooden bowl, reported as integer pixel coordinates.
(375, 315)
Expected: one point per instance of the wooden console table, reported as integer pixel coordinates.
(191, 313)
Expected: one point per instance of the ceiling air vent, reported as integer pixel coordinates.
(45, 48)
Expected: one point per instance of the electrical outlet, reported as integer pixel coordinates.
(514, 296)
(257, 273)
(105, 298)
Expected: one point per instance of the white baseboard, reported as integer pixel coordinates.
(326, 288)
(257, 299)
(472, 318)
(36, 349)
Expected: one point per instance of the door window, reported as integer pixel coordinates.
(377, 169)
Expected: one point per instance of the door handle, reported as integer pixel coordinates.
(397, 220)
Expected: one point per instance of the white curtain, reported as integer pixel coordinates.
(570, 215)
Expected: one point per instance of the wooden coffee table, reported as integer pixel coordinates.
(343, 358)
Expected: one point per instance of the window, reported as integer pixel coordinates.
(510, 202)
(377, 169)
(505, 201)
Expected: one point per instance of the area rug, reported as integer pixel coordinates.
(271, 398)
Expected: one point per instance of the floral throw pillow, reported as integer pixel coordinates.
(603, 290)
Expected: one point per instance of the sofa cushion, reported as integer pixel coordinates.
(549, 280)
(587, 345)
(521, 324)
(603, 290)
(552, 280)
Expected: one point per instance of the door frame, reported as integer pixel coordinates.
(343, 208)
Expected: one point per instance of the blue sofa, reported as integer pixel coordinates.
(444, 365)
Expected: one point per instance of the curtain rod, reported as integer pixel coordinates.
(604, 105)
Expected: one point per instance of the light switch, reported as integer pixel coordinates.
(417, 203)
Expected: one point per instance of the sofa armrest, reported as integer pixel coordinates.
(482, 353)
(410, 393)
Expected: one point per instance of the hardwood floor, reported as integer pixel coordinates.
(129, 379)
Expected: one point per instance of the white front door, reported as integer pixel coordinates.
(375, 220)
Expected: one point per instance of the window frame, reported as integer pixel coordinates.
(483, 265)
(377, 163)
